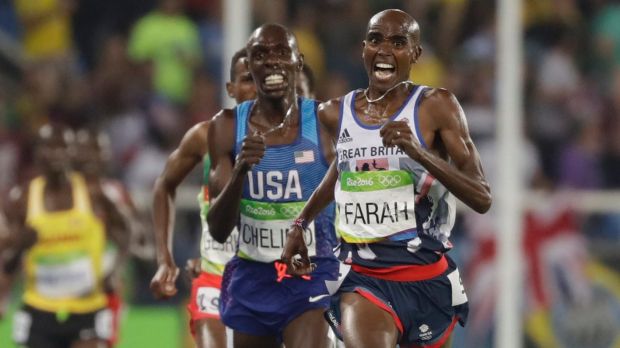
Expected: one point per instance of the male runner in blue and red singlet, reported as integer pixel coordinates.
(403, 153)
(268, 155)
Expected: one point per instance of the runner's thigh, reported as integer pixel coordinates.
(307, 330)
(364, 324)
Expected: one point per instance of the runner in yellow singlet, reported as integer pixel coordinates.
(58, 226)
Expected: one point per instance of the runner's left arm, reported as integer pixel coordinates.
(445, 131)
(328, 114)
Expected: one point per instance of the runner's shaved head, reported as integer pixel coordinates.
(408, 23)
(266, 31)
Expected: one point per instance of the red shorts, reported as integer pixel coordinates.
(115, 305)
(204, 301)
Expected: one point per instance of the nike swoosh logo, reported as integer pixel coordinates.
(316, 298)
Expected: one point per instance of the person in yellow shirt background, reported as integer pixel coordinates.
(58, 228)
(46, 27)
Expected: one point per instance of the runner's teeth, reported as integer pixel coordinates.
(384, 66)
(274, 79)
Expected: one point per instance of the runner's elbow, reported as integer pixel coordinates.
(218, 236)
(484, 202)
(217, 229)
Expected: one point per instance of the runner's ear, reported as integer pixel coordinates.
(300, 65)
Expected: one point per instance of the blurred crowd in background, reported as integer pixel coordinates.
(144, 71)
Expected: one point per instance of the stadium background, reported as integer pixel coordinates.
(145, 78)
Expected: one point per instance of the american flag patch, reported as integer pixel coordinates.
(304, 156)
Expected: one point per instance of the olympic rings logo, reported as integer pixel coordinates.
(290, 210)
(390, 180)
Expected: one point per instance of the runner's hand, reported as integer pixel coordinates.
(163, 284)
(192, 267)
(252, 151)
(398, 133)
(295, 254)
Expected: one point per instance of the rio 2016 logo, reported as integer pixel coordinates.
(359, 182)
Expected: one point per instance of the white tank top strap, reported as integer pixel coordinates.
(81, 196)
(36, 204)
(346, 114)
(414, 103)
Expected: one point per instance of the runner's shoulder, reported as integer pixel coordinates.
(328, 113)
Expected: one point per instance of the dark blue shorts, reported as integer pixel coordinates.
(252, 301)
(424, 311)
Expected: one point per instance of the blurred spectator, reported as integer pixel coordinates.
(338, 86)
(543, 13)
(558, 76)
(95, 20)
(580, 161)
(557, 82)
(211, 36)
(204, 100)
(116, 85)
(310, 45)
(8, 19)
(306, 83)
(269, 11)
(451, 16)
(342, 38)
(46, 26)
(429, 70)
(606, 39)
(478, 104)
(167, 40)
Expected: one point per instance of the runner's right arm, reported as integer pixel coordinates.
(20, 237)
(227, 176)
(17, 239)
(180, 163)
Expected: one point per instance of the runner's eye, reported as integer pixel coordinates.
(260, 55)
(399, 43)
(284, 52)
(374, 39)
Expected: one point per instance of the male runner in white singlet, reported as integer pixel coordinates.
(403, 151)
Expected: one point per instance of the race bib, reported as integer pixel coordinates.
(208, 300)
(22, 321)
(219, 253)
(263, 228)
(458, 290)
(69, 278)
(104, 324)
(374, 205)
